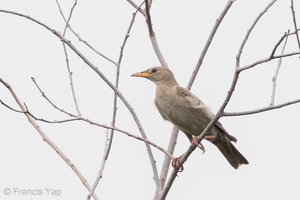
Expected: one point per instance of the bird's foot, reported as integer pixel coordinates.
(200, 146)
(175, 164)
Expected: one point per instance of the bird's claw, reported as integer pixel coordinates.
(175, 164)
(200, 146)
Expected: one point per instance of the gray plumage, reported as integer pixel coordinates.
(188, 113)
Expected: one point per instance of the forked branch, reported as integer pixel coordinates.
(46, 139)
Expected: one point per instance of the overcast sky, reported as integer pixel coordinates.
(268, 140)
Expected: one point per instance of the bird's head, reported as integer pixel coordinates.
(157, 75)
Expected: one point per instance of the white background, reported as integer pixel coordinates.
(269, 140)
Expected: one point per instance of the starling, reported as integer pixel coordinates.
(188, 113)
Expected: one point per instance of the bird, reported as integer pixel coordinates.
(189, 114)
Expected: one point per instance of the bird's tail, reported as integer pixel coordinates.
(233, 156)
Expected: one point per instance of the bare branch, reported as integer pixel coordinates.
(278, 43)
(167, 160)
(9, 107)
(104, 159)
(295, 22)
(148, 18)
(128, 134)
(76, 34)
(137, 7)
(127, 35)
(286, 34)
(50, 122)
(109, 135)
(93, 67)
(153, 37)
(157, 50)
(46, 139)
(274, 79)
(70, 74)
(267, 60)
(120, 95)
(208, 42)
(91, 47)
(36, 118)
(63, 16)
(100, 125)
(150, 3)
(260, 110)
(238, 57)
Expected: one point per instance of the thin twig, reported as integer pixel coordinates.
(100, 125)
(148, 18)
(137, 7)
(46, 139)
(208, 42)
(110, 134)
(104, 159)
(67, 21)
(36, 118)
(260, 110)
(91, 47)
(49, 121)
(286, 34)
(68, 25)
(274, 79)
(9, 107)
(157, 51)
(70, 74)
(150, 3)
(238, 57)
(166, 164)
(295, 23)
(267, 60)
(152, 36)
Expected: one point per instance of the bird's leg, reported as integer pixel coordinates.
(210, 137)
(175, 163)
(195, 142)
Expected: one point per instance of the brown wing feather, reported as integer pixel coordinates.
(195, 101)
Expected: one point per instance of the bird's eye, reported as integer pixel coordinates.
(154, 70)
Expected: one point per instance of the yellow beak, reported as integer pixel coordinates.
(141, 74)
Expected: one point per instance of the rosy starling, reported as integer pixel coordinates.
(188, 113)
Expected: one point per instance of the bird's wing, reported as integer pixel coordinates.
(190, 97)
(230, 137)
(196, 103)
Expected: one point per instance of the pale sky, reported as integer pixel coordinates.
(268, 140)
